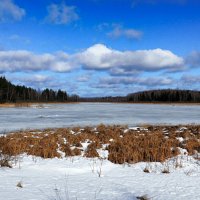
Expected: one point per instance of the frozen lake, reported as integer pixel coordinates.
(64, 115)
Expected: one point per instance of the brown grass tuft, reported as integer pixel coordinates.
(91, 151)
(152, 144)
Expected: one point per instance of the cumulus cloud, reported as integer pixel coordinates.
(96, 57)
(10, 11)
(193, 59)
(119, 31)
(41, 81)
(190, 79)
(61, 14)
(156, 81)
(101, 57)
(12, 61)
(92, 57)
(84, 78)
(35, 79)
(117, 71)
(150, 81)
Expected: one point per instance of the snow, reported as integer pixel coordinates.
(85, 144)
(135, 129)
(78, 178)
(72, 132)
(180, 139)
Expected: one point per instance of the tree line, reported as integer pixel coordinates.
(166, 95)
(152, 96)
(15, 93)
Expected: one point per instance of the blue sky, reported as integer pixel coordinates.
(101, 47)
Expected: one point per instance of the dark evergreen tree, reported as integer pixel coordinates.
(16, 93)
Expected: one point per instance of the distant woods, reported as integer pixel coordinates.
(166, 95)
(10, 93)
(152, 96)
(15, 93)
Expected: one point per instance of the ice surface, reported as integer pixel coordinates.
(84, 114)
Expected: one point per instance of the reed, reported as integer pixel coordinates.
(152, 144)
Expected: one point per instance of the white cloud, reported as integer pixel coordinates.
(92, 57)
(84, 78)
(149, 81)
(97, 57)
(117, 71)
(119, 31)
(190, 80)
(101, 57)
(61, 14)
(156, 81)
(193, 59)
(12, 61)
(36, 78)
(10, 11)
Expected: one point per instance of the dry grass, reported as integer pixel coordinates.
(5, 161)
(91, 150)
(144, 197)
(154, 143)
(19, 184)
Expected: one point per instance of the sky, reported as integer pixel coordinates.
(101, 47)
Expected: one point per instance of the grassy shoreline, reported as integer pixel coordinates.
(28, 104)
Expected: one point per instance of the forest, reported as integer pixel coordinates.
(166, 95)
(10, 93)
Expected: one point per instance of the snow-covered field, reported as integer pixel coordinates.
(78, 178)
